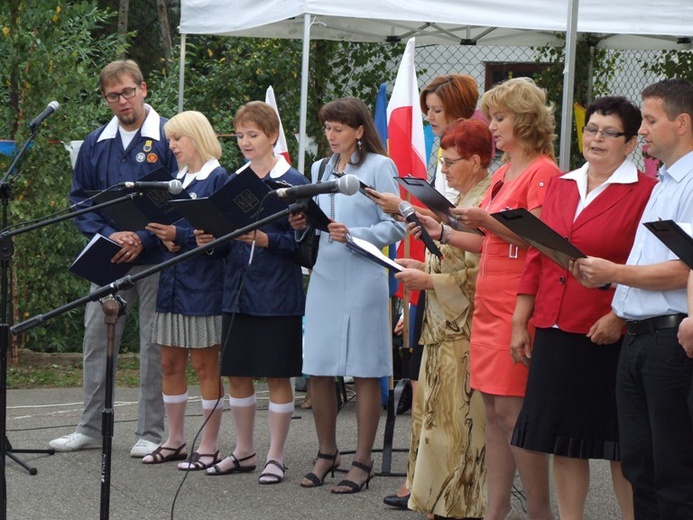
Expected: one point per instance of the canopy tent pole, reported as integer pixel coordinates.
(181, 73)
(304, 94)
(568, 79)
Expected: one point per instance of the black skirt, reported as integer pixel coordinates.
(570, 404)
(261, 346)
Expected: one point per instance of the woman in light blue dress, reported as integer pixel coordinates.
(348, 331)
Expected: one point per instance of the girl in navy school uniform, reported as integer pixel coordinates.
(188, 311)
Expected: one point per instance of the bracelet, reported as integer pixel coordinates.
(445, 235)
(442, 230)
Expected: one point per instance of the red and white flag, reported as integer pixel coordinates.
(280, 148)
(407, 147)
(404, 119)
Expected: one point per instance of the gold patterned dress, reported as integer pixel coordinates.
(446, 469)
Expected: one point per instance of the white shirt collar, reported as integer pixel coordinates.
(626, 173)
(279, 169)
(204, 172)
(150, 128)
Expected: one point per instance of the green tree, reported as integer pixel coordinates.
(594, 69)
(222, 73)
(47, 52)
(673, 64)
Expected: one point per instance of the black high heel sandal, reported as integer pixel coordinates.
(316, 481)
(353, 487)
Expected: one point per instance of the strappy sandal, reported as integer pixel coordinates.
(158, 457)
(195, 464)
(316, 481)
(353, 487)
(216, 470)
(267, 477)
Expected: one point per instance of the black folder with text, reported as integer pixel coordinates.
(674, 237)
(526, 225)
(244, 199)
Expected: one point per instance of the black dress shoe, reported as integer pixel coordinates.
(395, 501)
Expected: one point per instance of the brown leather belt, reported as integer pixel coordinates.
(652, 325)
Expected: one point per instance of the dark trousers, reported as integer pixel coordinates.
(656, 434)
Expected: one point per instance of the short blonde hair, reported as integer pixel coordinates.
(533, 120)
(116, 70)
(197, 127)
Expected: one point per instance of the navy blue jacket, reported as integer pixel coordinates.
(193, 287)
(102, 162)
(273, 284)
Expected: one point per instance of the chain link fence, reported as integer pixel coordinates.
(490, 65)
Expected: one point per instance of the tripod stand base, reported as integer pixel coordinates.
(10, 452)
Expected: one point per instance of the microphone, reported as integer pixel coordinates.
(407, 211)
(52, 107)
(174, 187)
(347, 185)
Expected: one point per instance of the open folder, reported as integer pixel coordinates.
(243, 200)
(151, 206)
(94, 262)
(674, 237)
(523, 223)
(368, 250)
(434, 201)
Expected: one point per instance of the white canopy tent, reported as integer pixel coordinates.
(629, 24)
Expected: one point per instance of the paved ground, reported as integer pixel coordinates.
(67, 485)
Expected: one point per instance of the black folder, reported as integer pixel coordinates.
(94, 262)
(151, 206)
(523, 223)
(674, 237)
(435, 201)
(244, 199)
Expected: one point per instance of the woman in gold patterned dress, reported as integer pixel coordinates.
(446, 470)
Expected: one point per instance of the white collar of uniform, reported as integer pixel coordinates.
(279, 169)
(204, 172)
(150, 128)
(626, 173)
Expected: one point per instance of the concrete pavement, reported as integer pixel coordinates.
(67, 485)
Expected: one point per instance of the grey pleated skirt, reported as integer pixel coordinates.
(178, 330)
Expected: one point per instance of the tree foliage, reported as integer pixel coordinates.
(47, 52)
(222, 73)
(594, 69)
(673, 64)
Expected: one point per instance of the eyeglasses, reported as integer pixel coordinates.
(447, 162)
(127, 93)
(592, 131)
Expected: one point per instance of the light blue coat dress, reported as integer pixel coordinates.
(347, 330)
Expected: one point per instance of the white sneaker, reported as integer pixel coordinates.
(75, 442)
(142, 448)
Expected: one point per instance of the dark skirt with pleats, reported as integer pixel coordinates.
(570, 403)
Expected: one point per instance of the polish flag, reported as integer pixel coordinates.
(407, 146)
(404, 119)
(280, 148)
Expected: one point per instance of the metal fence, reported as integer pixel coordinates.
(492, 64)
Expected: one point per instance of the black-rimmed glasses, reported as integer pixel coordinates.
(127, 93)
(592, 131)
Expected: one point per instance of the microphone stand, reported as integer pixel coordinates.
(113, 310)
(6, 252)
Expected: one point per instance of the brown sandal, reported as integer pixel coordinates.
(158, 457)
(194, 463)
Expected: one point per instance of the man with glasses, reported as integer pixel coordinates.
(129, 147)
(654, 374)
